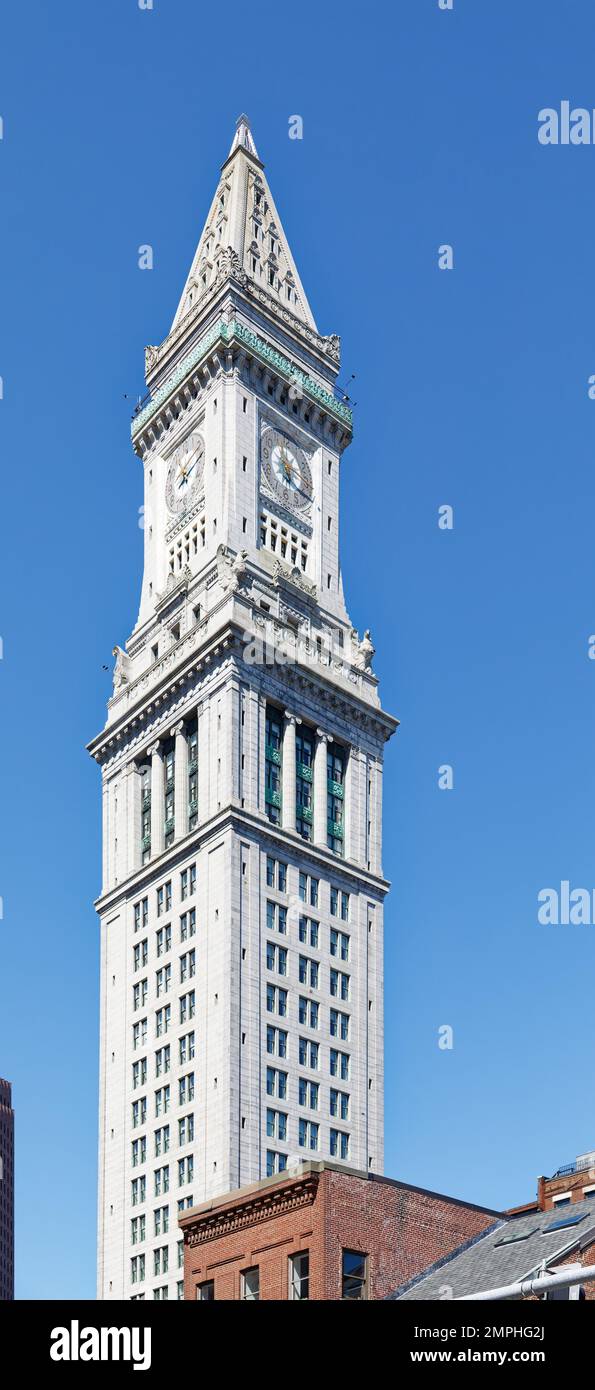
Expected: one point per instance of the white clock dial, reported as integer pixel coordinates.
(286, 469)
(185, 473)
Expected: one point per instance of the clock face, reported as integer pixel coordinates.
(185, 473)
(286, 469)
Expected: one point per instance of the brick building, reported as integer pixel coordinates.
(6, 1193)
(323, 1233)
(573, 1182)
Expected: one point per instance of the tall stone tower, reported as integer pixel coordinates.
(242, 896)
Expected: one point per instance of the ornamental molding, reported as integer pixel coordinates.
(262, 1207)
(328, 345)
(224, 332)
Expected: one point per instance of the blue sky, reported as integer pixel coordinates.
(420, 128)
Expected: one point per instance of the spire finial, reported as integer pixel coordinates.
(243, 136)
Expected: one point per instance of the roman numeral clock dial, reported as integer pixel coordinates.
(185, 474)
(286, 470)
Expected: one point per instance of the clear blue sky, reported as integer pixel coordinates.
(420, 128)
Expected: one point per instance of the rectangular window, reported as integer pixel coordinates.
(185, 1170)
(192, 789)
(340, 904)
(139, 1073)
(308, 1092)
(186, 1130)
(277, 918)
(187, 882)
(339, 1104)
(139, 994)
(161, 1221)
(139, 1034)
(140, 954)
(276, 1162)
(309, 1054)
(339, 984)
(354, 1274)
(339, 943)
(304, 770)
(276, 1042)
(186, 1048)
(308, 1012)
(169, 765)
(163, 980)
(138, 1191)
(139, 1152)
(162, 1020)
(276, 1000)
(308, 888)
(162, 1060)
(339, 1063)
(187, 1006)
(308, 1135)
(188, 924)
(276, 1083)
(276, 958)
(163, 940)
(276, 874)
(161, 1141)
(251, 1284)
(339, 1025)
(187, 966)
(308, 972)
(335, 797)
(339, 1144)
(273, 765)
(139, 1112)
(141, 914)
(299, 1275)
(276, 1125)
(186, 1088)
(162, 1099)
(308, 932)
(205, 1292)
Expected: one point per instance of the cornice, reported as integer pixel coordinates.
(327, 348)
(263, 1206)
(225, 334)
(229, 642)
(240, 819)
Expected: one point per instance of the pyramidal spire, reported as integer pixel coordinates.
(243, 136)
(243, 220)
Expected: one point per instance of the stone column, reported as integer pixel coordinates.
(180, 780)
(375, 849)
(133, 815)
(157, 799)
(320, 788)
(288, 771)
(204, 781)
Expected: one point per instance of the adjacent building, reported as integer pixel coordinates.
(323, 1233)
(516, 1250)
(241, 907)
(6, 1192)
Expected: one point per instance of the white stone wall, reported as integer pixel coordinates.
(201, 672)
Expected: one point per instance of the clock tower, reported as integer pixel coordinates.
(242, 895)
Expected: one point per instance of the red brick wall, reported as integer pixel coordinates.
(267, 1243)
(402, 1231)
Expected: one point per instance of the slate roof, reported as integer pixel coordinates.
(486, 1263)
